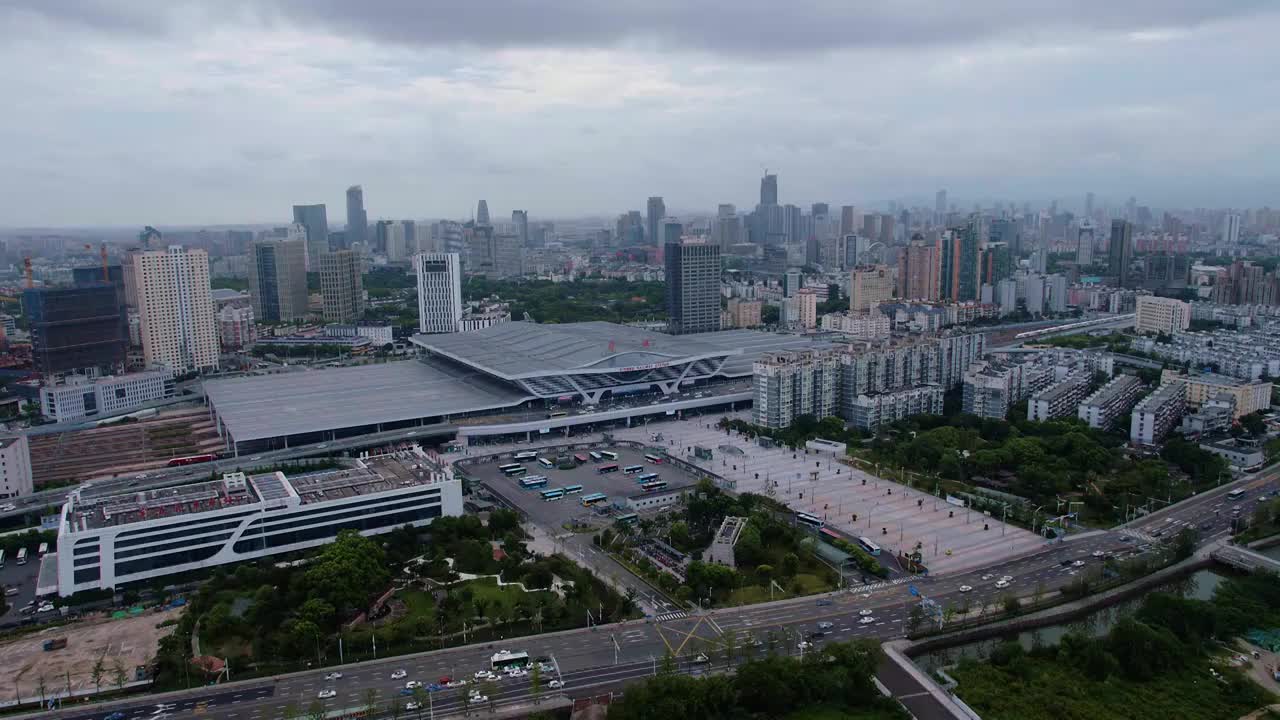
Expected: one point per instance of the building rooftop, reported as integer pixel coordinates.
(1164, 393)
(1065, 387)
(1113, 389)
(311, 401)
(367, 477)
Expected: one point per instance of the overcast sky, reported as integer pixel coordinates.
(176, 112)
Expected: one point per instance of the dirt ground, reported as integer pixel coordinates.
(130, 642)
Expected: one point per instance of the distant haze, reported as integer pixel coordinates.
(230, 111)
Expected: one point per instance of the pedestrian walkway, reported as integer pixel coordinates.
(671, 616)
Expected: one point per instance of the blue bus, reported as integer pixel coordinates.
(550, 495)
(533, 481)
(594, 499)
(516, 471)
(627, 519)
(653, 485)
(870, 547)
(647, 477)
(572, 489)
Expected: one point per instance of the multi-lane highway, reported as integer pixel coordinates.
(607, 656)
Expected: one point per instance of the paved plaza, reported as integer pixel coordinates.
(890, 514)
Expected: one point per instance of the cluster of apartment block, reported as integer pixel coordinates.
(867, 384)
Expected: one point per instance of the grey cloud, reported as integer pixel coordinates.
(738, 27)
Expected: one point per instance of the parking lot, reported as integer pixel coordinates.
(618, 486)
(24, 578)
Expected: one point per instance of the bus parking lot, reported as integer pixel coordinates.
(584, 481)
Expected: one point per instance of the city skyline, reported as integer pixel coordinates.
(241, 120)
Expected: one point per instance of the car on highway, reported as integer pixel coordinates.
(485, 675)
(865, 612)
(556, 684)
(477, 698)
(1002, 584)
(45, 607)
(866, 620)
(825, 626)
(455, 683)
(1098, 553)
(701, 658)
(406, 691)
(399, 675)
(966, 588)
(987, 577)
(516, 672)
(411, 705)
(117, 715)
(326, 694)
(411, 684)
(816, 635)
(434, 687)
(805, 645)
(322, 446)
(333, 676)
(824, 602)
(1078, 563)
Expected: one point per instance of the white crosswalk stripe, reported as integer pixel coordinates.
(671, 616)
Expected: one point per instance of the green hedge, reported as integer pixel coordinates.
(865, 561)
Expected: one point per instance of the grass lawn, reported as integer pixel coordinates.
(419, 604)
(809, 585)
(501, 600)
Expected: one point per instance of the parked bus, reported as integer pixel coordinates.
(609, 455)
(44, 548)
(504, 659)
(516, 471)
(582, 459)
(595, 456)
(533, 481)
(1236, 494)
(628, 519)
(192, 459)
(594, 499)
(829, 535)
(549, 495)
(607, 468)
(647, 477)
(22, 556)
(546, 463)
(810, 520)
(525, 456)
(655, 459)
(633, 469)
(508, 466)
(653, 485)
(572, 489)
(870, 547)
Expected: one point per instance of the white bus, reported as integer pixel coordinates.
(525, 456)
(870, 547)
(595, 456)
(22, 556)
(504, 659)
(546, 463)
(1236, 494)
(509, 466)
(609, 455)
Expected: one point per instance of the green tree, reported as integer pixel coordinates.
(420, 700)
(315, 711)
(915, 619)
(535, 683)
(790, 564)
(98, 672)
(348, 572)
(371, 701)
(118, 674)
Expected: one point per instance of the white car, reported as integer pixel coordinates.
(412, 684)
(411, 705)
(805, 645)
(1002, 584)
(455, 683)
(700, 658)
(484, 675)
(866, 620)
(865, 612)
(1098, 553)
(399, 675)
(333, 676)
(1007, 578)
(45, 607)
(987, 576)
(326, 694)
(1078, 563)
(965, 588)
(555, 684)
(516, 673)
(479, 698)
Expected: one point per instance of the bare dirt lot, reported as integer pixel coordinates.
(128, 642)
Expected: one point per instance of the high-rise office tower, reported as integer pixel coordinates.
(357, 220)
(175, 307)
(1230, 229)
(886, 230)
(919, 271)
(961, 264)
(508, 255)
(1004, 230)
(342, 287)
(76, 328)
(792, 281)
(793, 224)
(520, 224)
(847, 220)
(769, 189)
(820, 209)
(940, 207)
(316, 222)
(656, 211)
(1088, 205)
(869, 286)
(693, 286)
(482, 213)
(1084, 245)
(997, 263)
(1120, 252)
(727, 229)
(439, 291)
(278, 278)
